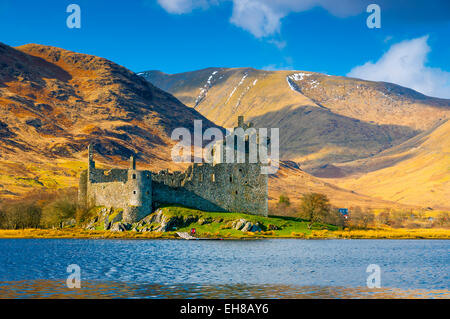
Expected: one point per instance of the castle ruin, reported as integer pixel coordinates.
(218, 186)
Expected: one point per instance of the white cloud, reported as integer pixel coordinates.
(257, 17)
(184, 6)
(262, 18)
(280, 44)
(405, 64)
(276, 67)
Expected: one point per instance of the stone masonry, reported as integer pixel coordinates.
(217, 186)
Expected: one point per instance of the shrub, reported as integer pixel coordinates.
(442, 220)
(284, 200)
(55, 212)
(83, 214)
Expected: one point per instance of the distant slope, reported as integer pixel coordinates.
(292, 181)
(416, 172)
(54, 102)
(322, 119)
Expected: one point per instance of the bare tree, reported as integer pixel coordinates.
(315, 207)
(361, 218)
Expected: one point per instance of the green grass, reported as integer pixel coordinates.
(219, 222)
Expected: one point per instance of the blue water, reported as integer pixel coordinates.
(249, 268)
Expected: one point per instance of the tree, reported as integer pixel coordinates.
(334, 218)
(361, 218)
(21, 215)
(2, 219)
(383, 218)
(57, 211)
(315, 207)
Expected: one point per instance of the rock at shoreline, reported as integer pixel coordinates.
(245, 226)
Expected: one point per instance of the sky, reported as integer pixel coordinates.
(411, 47)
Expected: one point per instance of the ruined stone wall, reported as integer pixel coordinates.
(82, 190)
(235, 187)
(139, 192)
(108, 175)
(220, 187)
(130, 190)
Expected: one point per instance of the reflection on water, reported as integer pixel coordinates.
(58, 289)
(37, 268)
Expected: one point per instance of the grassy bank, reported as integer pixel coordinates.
(314, 234)
(220, 225)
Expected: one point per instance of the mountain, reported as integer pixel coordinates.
(416, 172)
(292, 181)
(323, 120)
(54, 102)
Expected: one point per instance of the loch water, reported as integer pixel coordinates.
(278, 268)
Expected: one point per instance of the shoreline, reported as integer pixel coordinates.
(76, 233)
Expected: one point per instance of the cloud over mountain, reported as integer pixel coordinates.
(405, 64)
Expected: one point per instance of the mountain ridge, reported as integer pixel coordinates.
(355, 134)
(54, 102)
(351, 118)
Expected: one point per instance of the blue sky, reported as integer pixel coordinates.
(411, 48)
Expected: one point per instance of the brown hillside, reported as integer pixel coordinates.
(54, 102)
(292, 181)
(416, 172)
(322, 119)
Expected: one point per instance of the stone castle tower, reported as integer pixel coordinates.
(217, 186)
(128, 189)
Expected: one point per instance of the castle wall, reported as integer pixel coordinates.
(82, 190)
(220, 187)
(238, 186)
(121, 188)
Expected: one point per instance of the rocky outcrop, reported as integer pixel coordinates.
(245, 226)
(160, 221)
(69, 223)
(120, 226)
(105, 219)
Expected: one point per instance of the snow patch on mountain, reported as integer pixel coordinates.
(239, 84)
(204, 90)
(299, 76)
